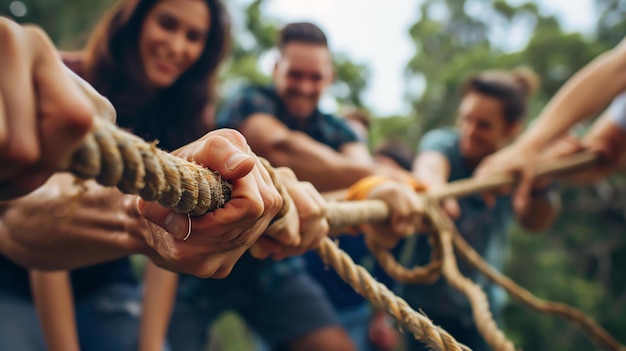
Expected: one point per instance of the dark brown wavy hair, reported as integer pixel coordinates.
(174, 115)
(513, 88)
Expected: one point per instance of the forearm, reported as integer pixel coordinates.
(64, 226)
(158, 301)
(431, 178)
(326, 169)
(432, 168)
(54, 302)
(583, 96)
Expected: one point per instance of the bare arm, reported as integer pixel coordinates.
(607, 138)
(158, 302)
(54, 302)
(583, 96)
(311, 161)
(357, 151)
(433, 169)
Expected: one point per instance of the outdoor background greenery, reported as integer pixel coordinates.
(581, 260)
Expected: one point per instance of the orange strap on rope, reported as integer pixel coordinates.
(361, 189)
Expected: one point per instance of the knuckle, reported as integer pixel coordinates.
(182, 257)
(35, 32)
(286, 173)
(223, 272)
(255, 209)
(324, 230)
(39, 39)
(8, 32)
(20, 151)
(11, 34)
(273, 202)
(310, 212)
(308, 185)
(77, 119)
(232, 135)
(204, 271)
(246, 239)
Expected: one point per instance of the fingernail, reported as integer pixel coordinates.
(176, 225)
(235, 160)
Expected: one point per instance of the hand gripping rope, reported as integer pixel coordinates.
(114, 157)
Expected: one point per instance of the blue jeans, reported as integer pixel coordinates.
(19, 325)
(107, 319)
(356, 321)
(294, 305)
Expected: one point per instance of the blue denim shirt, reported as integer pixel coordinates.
(485, 229)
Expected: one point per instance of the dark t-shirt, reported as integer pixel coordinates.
(324, 128)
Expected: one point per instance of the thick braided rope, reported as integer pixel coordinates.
(426, 274)
(583, 321)
(349, 213)
(359, 278)
(364, 284)
(340, 214)
(444, 262)
(483, 318)
(117, 158)
(114, 157)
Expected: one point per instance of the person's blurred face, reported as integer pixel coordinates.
(172, 38)
(300, 76)
(483, 128)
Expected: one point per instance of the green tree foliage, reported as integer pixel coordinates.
(67, 22)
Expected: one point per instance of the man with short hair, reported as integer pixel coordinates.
(283, 124)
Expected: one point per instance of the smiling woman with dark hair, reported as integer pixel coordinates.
(132, 58)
